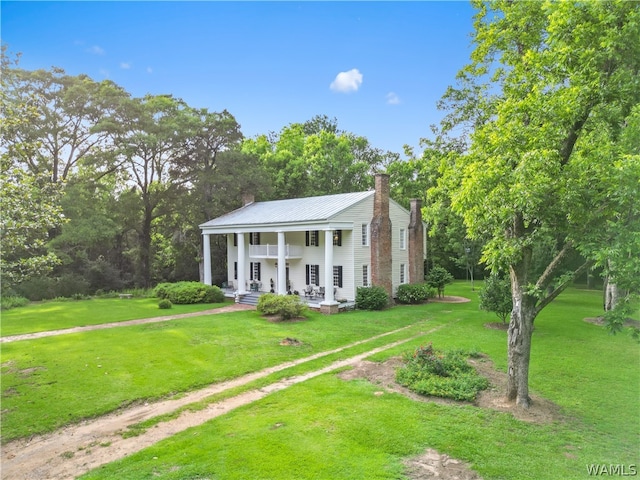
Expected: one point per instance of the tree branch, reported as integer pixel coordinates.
(560, 288)
(546, 275)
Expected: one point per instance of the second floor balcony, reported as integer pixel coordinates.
(271, 251)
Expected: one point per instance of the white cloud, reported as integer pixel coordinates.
(125, 65)
(96, 50)
(346, 82)
(392, 99)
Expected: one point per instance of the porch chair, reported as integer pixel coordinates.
(308, 291)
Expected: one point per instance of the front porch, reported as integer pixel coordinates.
(252, 297)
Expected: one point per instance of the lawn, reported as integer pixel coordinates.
(53, 315)
(327, 428)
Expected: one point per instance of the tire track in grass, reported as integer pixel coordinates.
(76, 449)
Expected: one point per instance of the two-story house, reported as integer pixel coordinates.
(331, 244)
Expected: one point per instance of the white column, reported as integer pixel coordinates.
(206, 253)
(282, 265)
(242, 264)
(328, 268)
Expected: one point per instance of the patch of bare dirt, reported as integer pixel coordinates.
(497, 326)
(432, 464)
(630, 322)
(292, 342)
(450, 299)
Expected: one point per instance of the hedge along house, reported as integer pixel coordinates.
(330, 244)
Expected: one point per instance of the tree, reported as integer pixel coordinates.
(495, 296)
(439, 278)
(548, 96)
(73, 118)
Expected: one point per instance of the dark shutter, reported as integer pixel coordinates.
(308, 268)
(250, 270)
(306, 242)
(235, 239)
(258, 272)
(235, 270)
(317, 234)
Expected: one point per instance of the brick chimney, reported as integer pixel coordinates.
(416, 242)
(381, 236)
(247, 198)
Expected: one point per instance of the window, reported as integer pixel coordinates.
(312, 238)
(254, 238)
(313, 275)
(337, 238)
(403, 273)
(337, 276)
(365, 275)
(403, 239)
(365, 235)
(254, 271)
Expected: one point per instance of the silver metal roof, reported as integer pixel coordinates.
(294, 210)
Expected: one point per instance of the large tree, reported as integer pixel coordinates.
(549, 97)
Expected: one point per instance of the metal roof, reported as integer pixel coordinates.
(294, 210)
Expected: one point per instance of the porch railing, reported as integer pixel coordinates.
(271, 251)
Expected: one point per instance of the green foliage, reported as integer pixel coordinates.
(7, 303)
(165, 304)
(414, 293)
(440, 373)
(181, 293)
(438, 278)
(284, 306)
(371, 298)
(495, 296)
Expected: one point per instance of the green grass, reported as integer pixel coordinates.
(49, 382)
(53, 315)
(326, 428)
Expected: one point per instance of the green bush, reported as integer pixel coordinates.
(165, 304)
(284, 306)
(440, 373)
(414, 293)
(438, 278)
(7, 303)
(371, 298)
(495, 297)
(181, 293)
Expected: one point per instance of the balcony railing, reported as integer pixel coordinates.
(271, 251)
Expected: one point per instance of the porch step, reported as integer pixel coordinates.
(250, 299)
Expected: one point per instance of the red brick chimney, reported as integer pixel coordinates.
(247, 198)
(416, 242)
(381, 236)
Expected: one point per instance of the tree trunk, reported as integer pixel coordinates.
(144, 268)
(519, 349)
(519, 334)
(611, 295)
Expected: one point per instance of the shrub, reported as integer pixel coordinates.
(181, 293)
(165, 304)
(7, 303)
(414, 293)
(438, 277)
(440, 373)
(285, 307)
(37, 288)
(495, 297)
(371, 298)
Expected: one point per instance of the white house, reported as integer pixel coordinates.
(332, 244)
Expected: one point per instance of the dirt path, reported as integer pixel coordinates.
(74, 450)
(50, 333)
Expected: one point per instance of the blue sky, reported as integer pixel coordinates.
(378, 67)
